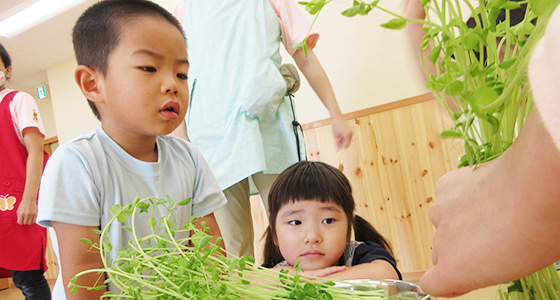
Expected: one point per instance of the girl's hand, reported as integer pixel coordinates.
(342, 132)
(324, 272)
(314, 273)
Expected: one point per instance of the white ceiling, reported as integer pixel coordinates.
(45, 45)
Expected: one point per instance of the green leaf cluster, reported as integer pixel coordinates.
(481, 72)
(161, 266)
(542, 285)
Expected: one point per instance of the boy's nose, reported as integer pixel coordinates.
(171, 91)
(170, 85)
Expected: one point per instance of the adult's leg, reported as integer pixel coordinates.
(32, 284)
(264, 182)
(235, 220)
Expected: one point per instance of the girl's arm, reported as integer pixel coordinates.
(76, 257)
(33, 140)
(377, 269)
(314, 273)
(317, 78)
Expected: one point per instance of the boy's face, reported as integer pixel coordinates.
(311, 232)
(145, 91)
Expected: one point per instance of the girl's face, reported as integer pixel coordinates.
(311, 232)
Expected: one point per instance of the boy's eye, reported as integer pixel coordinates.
(295, 222)
(182, 76)
(148, 69)
(328, 221)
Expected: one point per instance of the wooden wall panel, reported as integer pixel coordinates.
(393, 163)
(52, 261)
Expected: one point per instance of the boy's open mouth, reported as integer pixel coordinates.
(170, 110)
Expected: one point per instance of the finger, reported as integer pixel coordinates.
(434, 214)
(429, 283)
(433, 282)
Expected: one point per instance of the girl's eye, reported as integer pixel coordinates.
(295, 222)
(328, 221)
(182, 76)
(148, 69)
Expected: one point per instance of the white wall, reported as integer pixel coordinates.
(367, 65)
(71, 111)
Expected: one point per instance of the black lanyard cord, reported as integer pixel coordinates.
(296, 124)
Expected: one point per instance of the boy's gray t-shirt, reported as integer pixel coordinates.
(90, 174)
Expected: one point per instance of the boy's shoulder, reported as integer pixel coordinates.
(92, 139)
(179, 146)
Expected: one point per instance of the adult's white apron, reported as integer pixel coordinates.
(238, 115)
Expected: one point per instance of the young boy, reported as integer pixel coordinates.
(133, 68)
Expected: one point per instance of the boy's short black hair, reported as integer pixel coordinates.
(97, 31)
(5, 57)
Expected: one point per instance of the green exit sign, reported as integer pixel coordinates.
(41, 93)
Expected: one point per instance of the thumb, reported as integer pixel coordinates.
(435, 284)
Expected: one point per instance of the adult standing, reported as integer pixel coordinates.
(239, 116)
(23, 244)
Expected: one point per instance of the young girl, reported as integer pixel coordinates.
(311, 221)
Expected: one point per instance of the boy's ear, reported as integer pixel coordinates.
(88, 81)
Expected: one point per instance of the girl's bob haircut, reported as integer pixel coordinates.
(315, 181)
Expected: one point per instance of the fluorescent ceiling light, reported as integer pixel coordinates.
(33, 15)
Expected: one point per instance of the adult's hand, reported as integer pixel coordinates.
(499, 222)
(27, 211)
(342, 132)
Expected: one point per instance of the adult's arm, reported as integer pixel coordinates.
(499, 222)
(319, 82)
(33, 140)
(414, 10)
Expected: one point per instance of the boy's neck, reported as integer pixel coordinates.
(141, 148)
